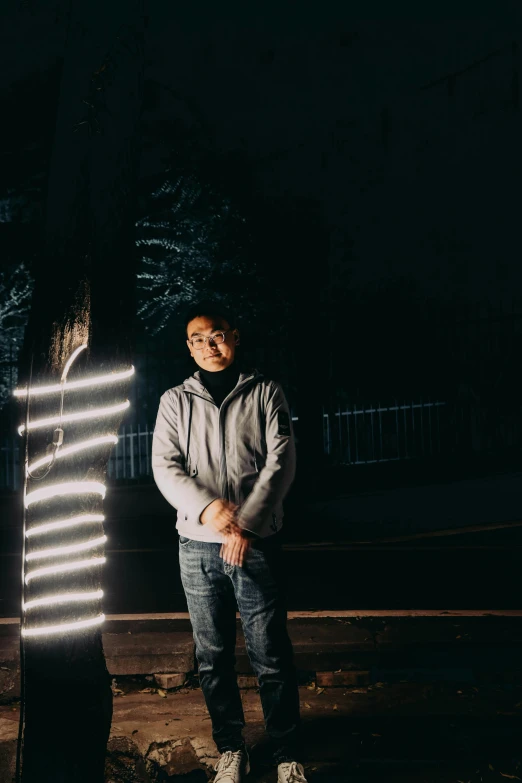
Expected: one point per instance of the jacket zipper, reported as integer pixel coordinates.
(222, 459)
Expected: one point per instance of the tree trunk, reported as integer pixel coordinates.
(84, 294)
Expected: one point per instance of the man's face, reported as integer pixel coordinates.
(212, 357)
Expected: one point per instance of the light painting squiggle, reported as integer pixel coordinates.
(58, 551)
(69, 488)
(63, 598)
(59, 524)
(98, 380)
(87, 444)
(63, 568)
(62, 627)
(93, 413)
(61, 564)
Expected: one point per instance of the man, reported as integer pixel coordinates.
(223, 455)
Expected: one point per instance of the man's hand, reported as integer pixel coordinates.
(235, 548)
(220, 515)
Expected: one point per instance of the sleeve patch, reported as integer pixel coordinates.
(283, 424)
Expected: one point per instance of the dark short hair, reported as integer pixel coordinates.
(210, 309)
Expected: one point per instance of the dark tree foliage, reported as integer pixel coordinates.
(193, 243)
(15, 294)
(204, 232)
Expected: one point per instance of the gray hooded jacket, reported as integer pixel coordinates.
(243, 451)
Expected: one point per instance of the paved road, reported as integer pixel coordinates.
(360, 578)
(395, 698)
(473, 570)
(349, 737)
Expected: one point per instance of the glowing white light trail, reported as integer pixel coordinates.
(63, 598)
(69, 488)
(56, 451)
(92, 413)
(63, 568)
(71, 359)
(59, 524)
(62, 627)
(98, 380)
(64, 452)
(57, 551)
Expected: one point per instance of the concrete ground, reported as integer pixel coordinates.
(404, 731)
(408, 730)
(434, 698)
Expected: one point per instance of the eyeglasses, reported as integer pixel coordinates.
(199, 342)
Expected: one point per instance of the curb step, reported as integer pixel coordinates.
(337, 652)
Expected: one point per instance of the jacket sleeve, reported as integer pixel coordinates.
(182, 491)
(277, 475)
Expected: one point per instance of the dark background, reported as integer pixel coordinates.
(347, 176)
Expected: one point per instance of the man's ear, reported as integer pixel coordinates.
(190, 348)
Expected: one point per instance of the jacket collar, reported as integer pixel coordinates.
(194, 385)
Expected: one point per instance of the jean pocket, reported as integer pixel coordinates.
(184, 541)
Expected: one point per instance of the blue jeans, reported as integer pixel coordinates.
(210, 585)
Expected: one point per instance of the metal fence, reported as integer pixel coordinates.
(130, 458)
(352, 436)
(383, 433)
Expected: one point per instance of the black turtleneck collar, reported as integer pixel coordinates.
(219, 384)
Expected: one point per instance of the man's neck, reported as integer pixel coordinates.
(220, 383)
(220, 376)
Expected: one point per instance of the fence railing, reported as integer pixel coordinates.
(382, 433)
(131, 456)
(352, 436)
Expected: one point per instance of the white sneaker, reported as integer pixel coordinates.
(231, 766)
(290, 772)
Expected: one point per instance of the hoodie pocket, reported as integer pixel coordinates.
(246, 485)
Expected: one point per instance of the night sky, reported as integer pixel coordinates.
(326, 102)
(398, 126)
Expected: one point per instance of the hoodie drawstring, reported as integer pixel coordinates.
(256, 426)
(188, 433)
